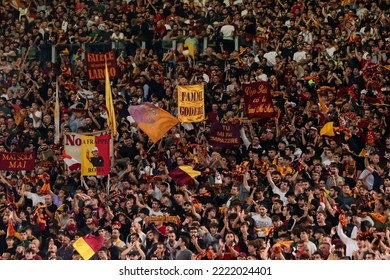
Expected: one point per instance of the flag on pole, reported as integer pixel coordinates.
(154, 121)
(57, 134)
(71, 162)
(88, 245)
(111, 120)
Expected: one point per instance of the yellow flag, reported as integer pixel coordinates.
(191, 103)
(111, 120)
(322, 104)
(327, 129)
(191, 50)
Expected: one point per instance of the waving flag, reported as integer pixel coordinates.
(71, 162)
(184, 175)
(155, 122)
(88, 245)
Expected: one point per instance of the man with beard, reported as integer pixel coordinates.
(44, 152)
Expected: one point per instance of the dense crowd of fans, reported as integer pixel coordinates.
(287, 192)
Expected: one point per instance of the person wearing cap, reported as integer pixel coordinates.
(96, 160)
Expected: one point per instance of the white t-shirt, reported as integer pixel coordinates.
(298, 56)
(228, 32)
(38, 114)
(271, 58)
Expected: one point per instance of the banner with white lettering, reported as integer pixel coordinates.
(258, 100)
(96, 65)
(225, 135)
(191, 103)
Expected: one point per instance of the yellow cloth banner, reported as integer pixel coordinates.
(95, 155)
(191, 103)
(85, 251)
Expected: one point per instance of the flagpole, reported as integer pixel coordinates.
(57, 125)
(108, 183)
(151, 147)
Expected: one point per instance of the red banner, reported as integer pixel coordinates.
(17, 161)
(96, 65)
(258, 100)
(225, 135)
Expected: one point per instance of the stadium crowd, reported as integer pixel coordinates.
(288, 191)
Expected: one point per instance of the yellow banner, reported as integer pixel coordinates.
(191, 103)
(95, 155)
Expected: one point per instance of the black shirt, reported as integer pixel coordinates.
(97, 161)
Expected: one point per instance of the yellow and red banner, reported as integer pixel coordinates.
(95, 155)
(191, 103)
(154, 121)
(72, 144)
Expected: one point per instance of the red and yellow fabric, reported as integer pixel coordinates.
(46, 183)
(11, 230)
(323, 106)
(266, 231)
(189, 48)
(95, 163)
(191, 103)
(88, 245)
(184, 175)
(378, 217)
